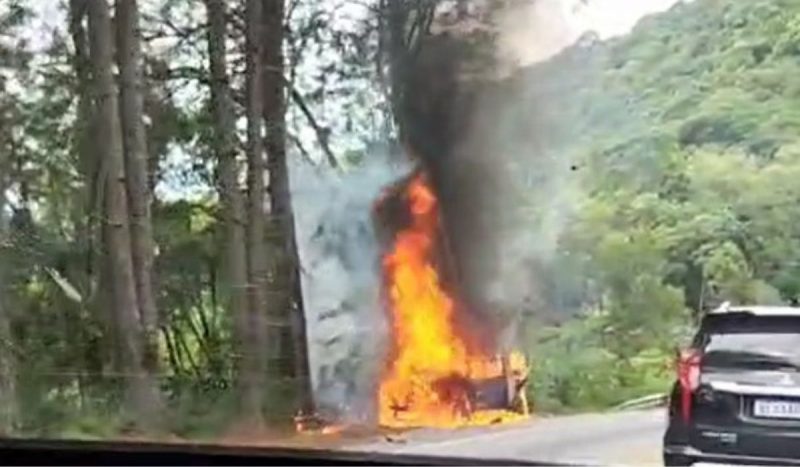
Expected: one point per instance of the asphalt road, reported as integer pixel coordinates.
(632, 438)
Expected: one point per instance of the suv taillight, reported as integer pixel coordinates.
(689, 379)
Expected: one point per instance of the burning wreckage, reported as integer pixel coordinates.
(445, 365)
(437, 373)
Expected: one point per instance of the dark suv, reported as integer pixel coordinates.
(737, 394)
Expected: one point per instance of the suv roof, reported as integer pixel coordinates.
(759, 310)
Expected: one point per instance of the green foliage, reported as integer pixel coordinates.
(574, 370)
(686, 135)
(689, 144)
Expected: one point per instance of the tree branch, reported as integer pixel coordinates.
(296, 141)
(186, 73)
(322, 133)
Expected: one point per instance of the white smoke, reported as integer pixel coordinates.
(532, 31)
(339, 256)
(542, 196)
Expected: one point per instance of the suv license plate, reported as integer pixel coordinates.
(776, 409)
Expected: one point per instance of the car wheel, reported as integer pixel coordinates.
(677, 460)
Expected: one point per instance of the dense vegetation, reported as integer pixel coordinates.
(148, 275)
(684, 139)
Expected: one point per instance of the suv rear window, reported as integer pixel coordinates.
(744, 339)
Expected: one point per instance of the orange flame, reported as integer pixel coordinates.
(428, 378)
(313, 424)
(332, 429)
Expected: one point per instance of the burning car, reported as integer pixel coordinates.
(438, 371)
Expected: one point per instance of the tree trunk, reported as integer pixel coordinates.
(141, 390)
(8, 393)
(289, 309)
(87, 216)
(257, 267)
(82, 67)
(396, 14)
(8, 373)
(171, 352)
(232, 201)
(134, 139)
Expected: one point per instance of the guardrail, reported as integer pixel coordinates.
(647, 402)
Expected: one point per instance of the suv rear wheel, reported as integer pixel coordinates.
(677, 460)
